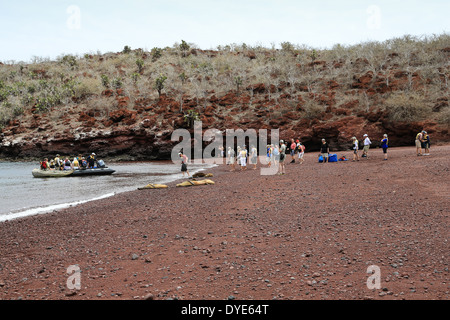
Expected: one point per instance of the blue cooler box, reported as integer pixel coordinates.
(333, 158)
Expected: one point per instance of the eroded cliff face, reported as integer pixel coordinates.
(128, 124)
(145, 132)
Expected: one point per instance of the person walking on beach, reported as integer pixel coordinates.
(385, 145)
(269, 155)
(231, 159)
(324, 150)
(300, 151)
(238, 156)
(367, 144)
(276, 155)
(184, 162)
(282, 168)
(355, 149)
(293, 147)
(253, 156)
(243, 158)
(419, 141)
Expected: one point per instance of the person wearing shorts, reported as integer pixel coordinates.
(366, 148)
(355, 149)
(231, 159)
(324, 150)
(253, 156)
(184, 161)
(292, 150)
(243, 158)
(282, 169)
(301, 151)
(419, 139)
(426, 143)
(385, 145)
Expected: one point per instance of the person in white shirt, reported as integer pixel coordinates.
(301, 151)
(367, 144)
(231, 159)
(243, 158)
(355, 149)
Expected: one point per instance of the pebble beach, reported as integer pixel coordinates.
(310, 234)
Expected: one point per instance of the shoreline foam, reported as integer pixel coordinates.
(44, 209)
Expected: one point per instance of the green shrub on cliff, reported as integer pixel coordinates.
(184, 48)
(140, 65)
(70, 60)
(190, 117)
(86, 87)
(156, 53)
(105, 80)
(159, 83)
(126, 49)
(407, 107)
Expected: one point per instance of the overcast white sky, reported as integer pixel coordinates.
(50, 28)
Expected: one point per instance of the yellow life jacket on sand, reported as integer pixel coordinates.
(154, 186)
(195, 183)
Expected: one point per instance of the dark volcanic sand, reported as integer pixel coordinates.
(310, 234)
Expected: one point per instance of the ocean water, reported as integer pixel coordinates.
(23, 195)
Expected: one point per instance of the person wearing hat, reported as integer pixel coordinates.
(366, 148)
(324, 150)
(92, 159)
(57, 161)
(426, 143)
(231, 159)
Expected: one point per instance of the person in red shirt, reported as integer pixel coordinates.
(45, 165)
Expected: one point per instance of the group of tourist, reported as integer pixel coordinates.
(276, 154)
(384, 144)
(241, 157)
(64, 163)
